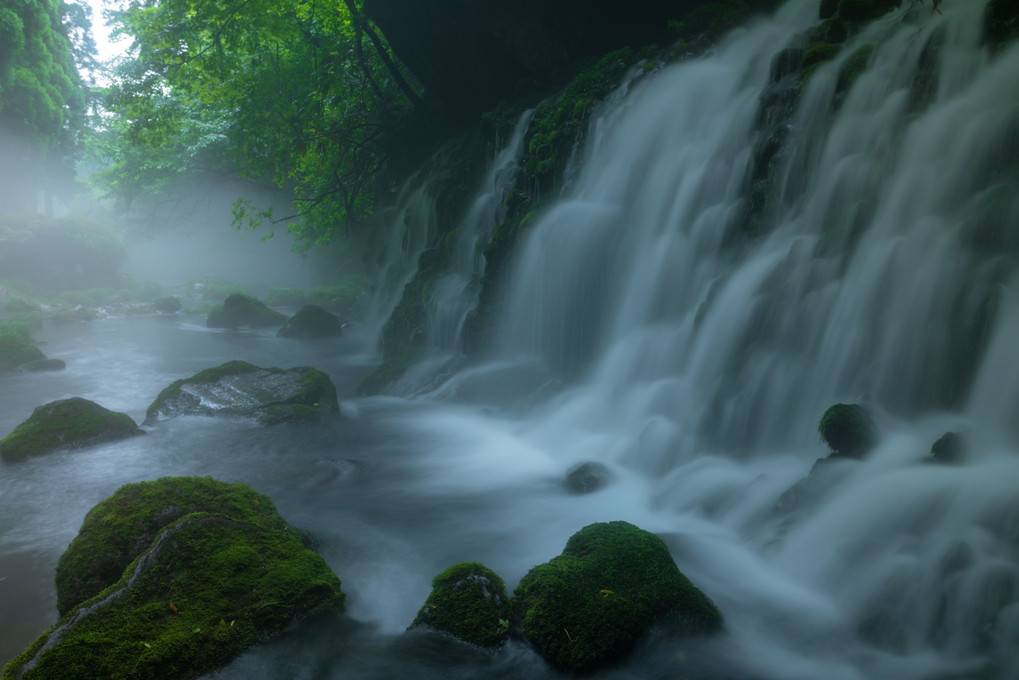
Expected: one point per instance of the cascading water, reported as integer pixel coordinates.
(702, 366)
(698, 349)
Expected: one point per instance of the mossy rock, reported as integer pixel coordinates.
(469, 602)
(167, 305)
(587, 608)
(209, 570)
(848, 430)
(1001, 21)
(238, 388)
(67, 423)
(16, 352)
(311, 322)
(244, 311)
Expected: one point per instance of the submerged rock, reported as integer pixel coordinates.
(67, 423)
(173, 579)
(469, 602)
(587, 478)
(587, 608)
(244, 311)
(237, 388)
(848, 430)
(311, 322)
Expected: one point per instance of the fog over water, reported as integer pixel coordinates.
(633, 333)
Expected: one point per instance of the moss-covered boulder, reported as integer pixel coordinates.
(237, 388)
(469, 602)
(848, 430)
(16, 352)
(244, 311)
(588, 607)
(167, 305)
(67, 423)
(311, 322)
(181, 576)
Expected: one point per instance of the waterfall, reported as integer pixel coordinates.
(657, 333)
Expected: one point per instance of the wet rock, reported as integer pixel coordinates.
(310, 323)
(1001, 21)
(167, 305)
(244, 311)
(848, 430)
(949, 449)
(587, 608)
(469, 602)
(587, 478)
(68, 423)
(45, 365)
(16, 352)
(173, 579)
(237, 388)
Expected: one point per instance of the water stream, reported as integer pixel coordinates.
(635, 334)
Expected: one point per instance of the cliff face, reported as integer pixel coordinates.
(471, 55)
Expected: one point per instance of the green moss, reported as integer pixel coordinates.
(15, 351)
(214, 570)
(388, 372)
(468, 601)
(286, 297)
(848, 430)
(851, 69)
(68, 423)
(588, 607)
(244, 311)
(310, 322)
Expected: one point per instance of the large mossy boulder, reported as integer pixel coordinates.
(67, 423)
(244, 311)
(174, 579)
(311, 322)
(469, 602)
(237, 388)
(587, 608)
(848, 430)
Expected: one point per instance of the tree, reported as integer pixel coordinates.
(300, 95)
(43, 100)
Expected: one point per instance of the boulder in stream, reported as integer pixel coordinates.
(17, 352)
(237, 388)
(311, 322)
(587, 478)
(469, 602)
(174, 579)
(587, 608)
(244, 311)
(848, 430)
(67, 423)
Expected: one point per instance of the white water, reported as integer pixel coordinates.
(696, 371)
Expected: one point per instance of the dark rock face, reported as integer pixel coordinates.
(237, 388)
(469, 602)
(173, 579)
(587, 478)
(587, 608)
(68, 423)
(310, 323)
(472, 55)
(244, 311)
(949, 449)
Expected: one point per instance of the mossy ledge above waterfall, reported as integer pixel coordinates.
(585, 609)
(238, 388)
(66, 424)
(207, 569)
